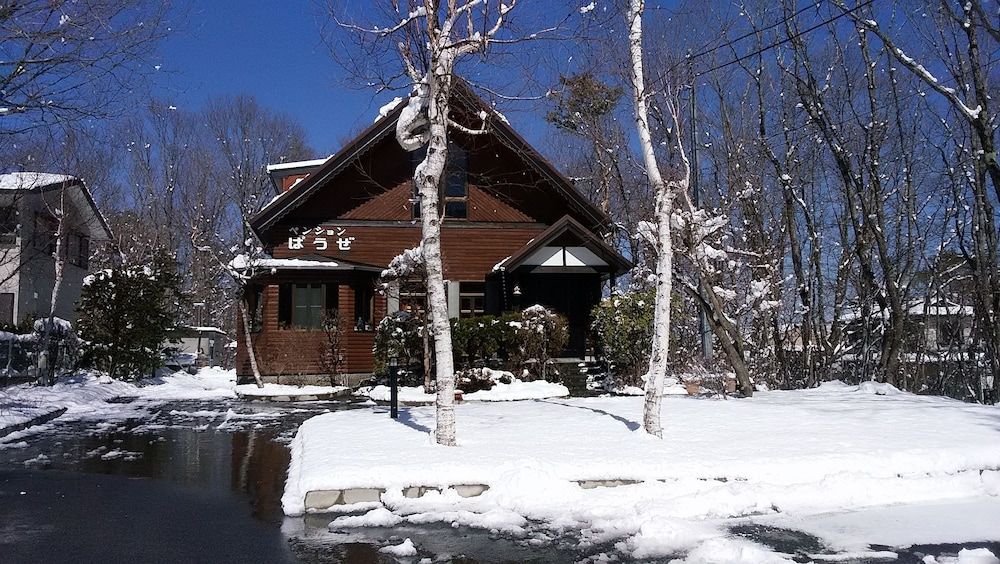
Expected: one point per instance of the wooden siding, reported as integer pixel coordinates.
(396, 205)
(287, 353)
(469, 252)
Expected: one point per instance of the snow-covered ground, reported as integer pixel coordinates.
(85, 395)
(797, 457)
(514, 391)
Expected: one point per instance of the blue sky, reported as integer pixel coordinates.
(272, 50)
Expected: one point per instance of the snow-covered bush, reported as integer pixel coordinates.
(398, 335)
(20, 352)
(623, 325)
(540, 335)
(125, 316)
(472, 380)
(483, 340)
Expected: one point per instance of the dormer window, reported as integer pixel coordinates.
(455, 194)
(456, 189)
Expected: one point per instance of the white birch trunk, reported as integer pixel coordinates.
(427, 178)
(248, 340)
(59, 267)
(664, 249)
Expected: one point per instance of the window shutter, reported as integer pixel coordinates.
(332, 298)
(284, 305)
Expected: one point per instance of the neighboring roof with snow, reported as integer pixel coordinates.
(32, 180)
(37, 182)
(295, 164)
(917, 307)
(384, 126)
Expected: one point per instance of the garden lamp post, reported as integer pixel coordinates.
(394, 387)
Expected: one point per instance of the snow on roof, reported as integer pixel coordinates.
(31, 180)
(388, 107)
(207, 329)
(296, 164)
(240, 262)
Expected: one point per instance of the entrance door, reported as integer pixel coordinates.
(573, 296)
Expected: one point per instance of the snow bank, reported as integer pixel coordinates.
(518, 390)
(279, 390)
(403, 550)
(86, 395)
(407, 394)
(966, 556)
(207, 383)
(835, 448)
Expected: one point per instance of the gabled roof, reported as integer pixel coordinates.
(32, 181)
(386, 125)
(41, 182)
(567, 224)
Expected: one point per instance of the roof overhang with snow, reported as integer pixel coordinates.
(265, 265)
(45, 182)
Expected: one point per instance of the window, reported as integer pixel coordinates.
(305, 306)
(45, 233)
(73, 248)
(80, 251)
(949, 333)
(7, 309)
(364, 300)
(471, 299)
(256, 307)
(455, 196)
(412, 296)
(456, 189)
(8, 225)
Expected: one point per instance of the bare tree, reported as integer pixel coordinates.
(659, 234)
(246, 138)
(62, 61)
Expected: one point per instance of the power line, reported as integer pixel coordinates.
(784, 40)
(749, 34)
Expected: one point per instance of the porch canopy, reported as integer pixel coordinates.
(562, 269)
(267, 265)
(566, 247)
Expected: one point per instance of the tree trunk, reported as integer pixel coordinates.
(428, 179)
(664, 245)
(248, 341)
(60, 267)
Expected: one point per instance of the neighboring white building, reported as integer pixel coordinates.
(198, 346)
(30, 206)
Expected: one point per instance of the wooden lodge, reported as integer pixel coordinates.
(515, 233)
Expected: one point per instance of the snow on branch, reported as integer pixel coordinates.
(405, 264)
(972, 114)
(412, 128)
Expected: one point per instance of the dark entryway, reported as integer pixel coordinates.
(572, 295)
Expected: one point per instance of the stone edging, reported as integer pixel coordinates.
(39, 420)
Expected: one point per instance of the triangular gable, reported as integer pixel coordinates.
(567, 244)
(386, 126)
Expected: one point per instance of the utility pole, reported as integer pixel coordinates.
(703, 332)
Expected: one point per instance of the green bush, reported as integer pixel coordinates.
(125, 316)
(623, 324)
(399, 335)
(476, 341)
